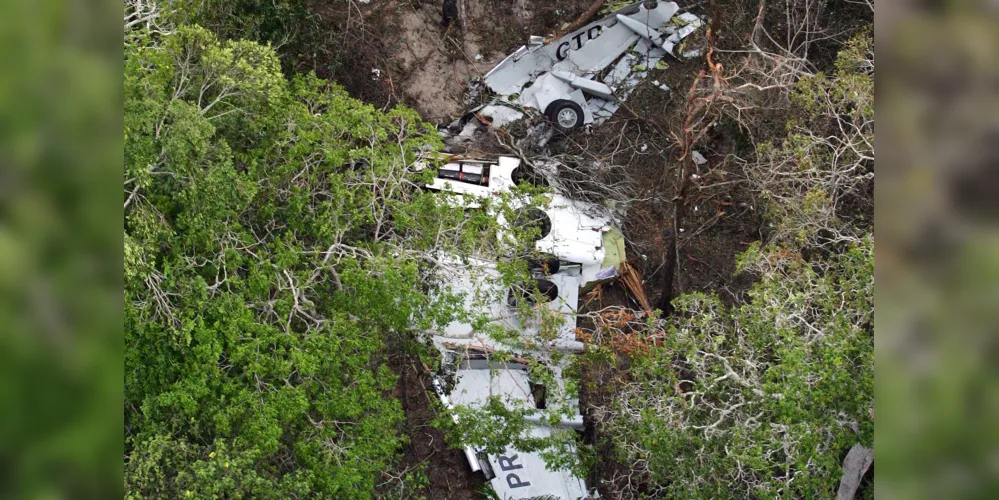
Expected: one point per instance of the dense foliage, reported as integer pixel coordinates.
(274, 242)
(816, 183)
(758, 400)
(764, 399)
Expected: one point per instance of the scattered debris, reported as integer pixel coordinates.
(580, 78)
(584, 249)
(471, 376)
(572, 230)
(573, 80)
(537, 136)
(698, 158)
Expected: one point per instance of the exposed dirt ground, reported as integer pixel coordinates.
(400, 51)
(445, 468)
(435, 62)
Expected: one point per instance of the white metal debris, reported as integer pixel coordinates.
(577, 228)
(484, 296)
(575, 236)
(594, 67)
(698, 158)
(515, 474)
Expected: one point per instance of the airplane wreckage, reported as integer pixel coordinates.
(575, 80)
(580, 247)
(582, 77)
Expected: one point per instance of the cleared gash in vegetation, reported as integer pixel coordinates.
(635, 261)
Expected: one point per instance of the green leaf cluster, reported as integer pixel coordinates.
(759, 400)
(275, 240)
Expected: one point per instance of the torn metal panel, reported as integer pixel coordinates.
(689, 23)
(499, 115)
(577, 227)
(629, 41)
(698, 158)
(484, 296)
(577, 234)
(517, 474)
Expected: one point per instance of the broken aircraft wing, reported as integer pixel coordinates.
(512, 473)
(580, 77)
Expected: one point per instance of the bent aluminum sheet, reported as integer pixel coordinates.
(517, 474)
(573, 67)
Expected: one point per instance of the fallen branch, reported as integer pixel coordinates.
(580, 21)
(633, 281)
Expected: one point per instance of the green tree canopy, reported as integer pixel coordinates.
(274, 239)
(760, 400)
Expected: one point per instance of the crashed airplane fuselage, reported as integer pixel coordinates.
(476, 377)
(512, 473)
(582, 77)
(572, 231)
(575, 234)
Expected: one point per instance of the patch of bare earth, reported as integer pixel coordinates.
(401, 50)
(426, 452)
(435, 62)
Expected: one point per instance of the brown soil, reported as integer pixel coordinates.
(426, 452)
(427, 65)
(435, 62)
(419, 61)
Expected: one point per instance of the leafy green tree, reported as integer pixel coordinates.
(275, 239)
(326, 37)
(760, 400)
(764, 399)
(816, 183)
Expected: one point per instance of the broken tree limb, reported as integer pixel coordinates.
(582, 19)
(855, 465)
(633, 281)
